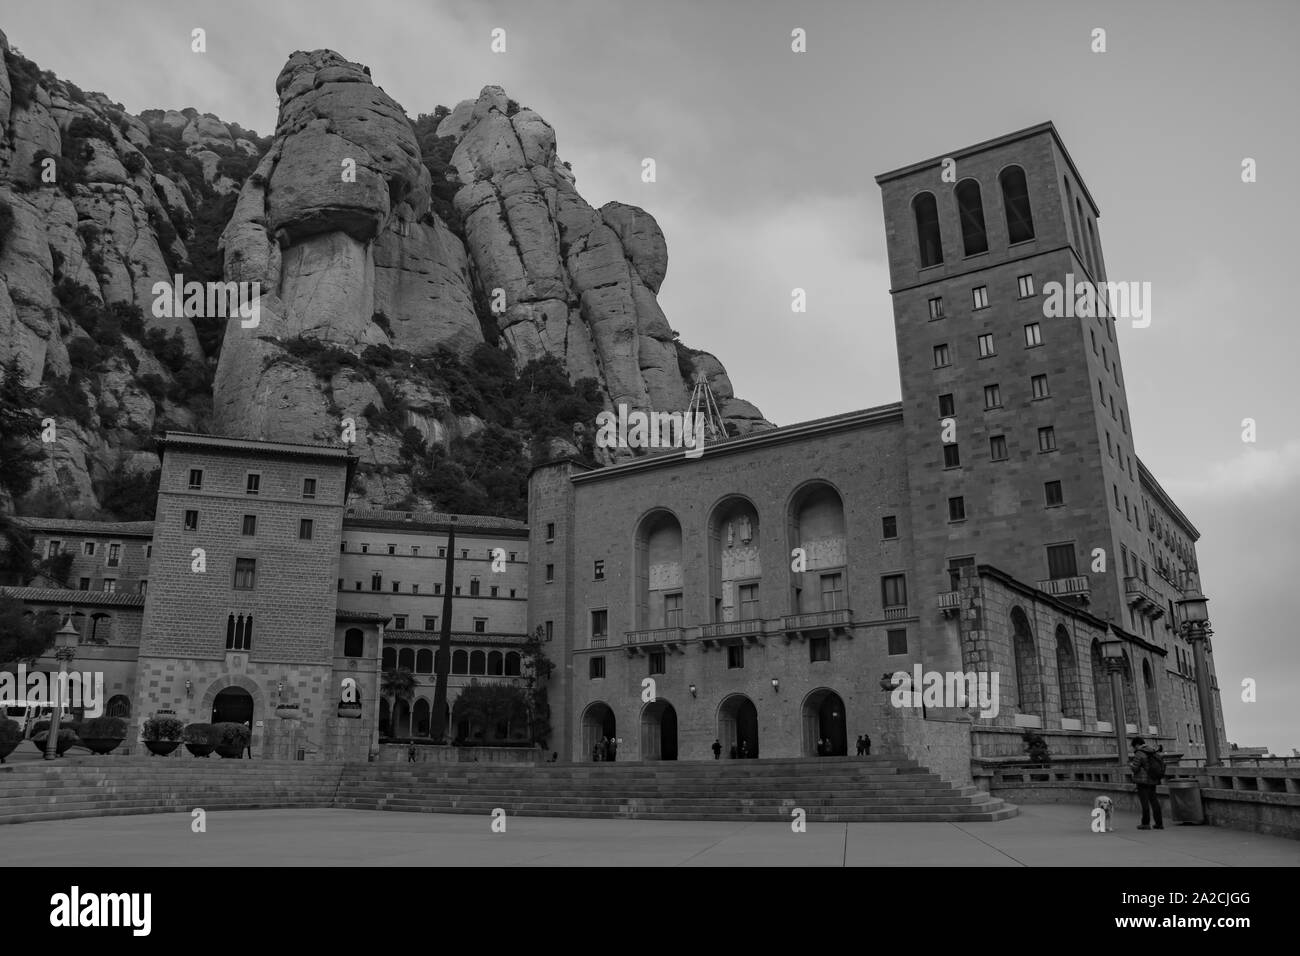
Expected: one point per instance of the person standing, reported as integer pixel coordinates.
(717, 749)
(866, 745)
(595, 752)
(410, 754)
(860, 745)
(613, 748)
(1148, 766)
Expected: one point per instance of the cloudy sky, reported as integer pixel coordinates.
(765, 183)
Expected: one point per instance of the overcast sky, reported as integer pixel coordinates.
(765, 182)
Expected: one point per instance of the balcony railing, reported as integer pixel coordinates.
(731, 629)
(655, 635)
(1077, 586)
(599, 640)
(896, 613)
(950, 602)
(817, 620)
(1143, 598)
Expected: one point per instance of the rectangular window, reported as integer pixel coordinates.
(1026, 286)
(196, 478)
(304, 529)
(1113, 409)
(599, 624)
(397, 587)
(936, 308)
(1033, 335)
(1047, 439)
(1123, 421)
(376, 581)
(986, 345)
(735, 656)
(309, 487)
(473, 587)
(596, 668)
(245, 574)
(896, 642)
(1110, 446)
(1105, 359)
(1094, 341)
(399, 622)
(442, 552)
(249, 525)
(980, 294)
(955, 566)
(254, 483)
(114, 555)
(480, 625)
(819, 649)
(415, 550)
(658, 662)
(598, 570)
(464, 554)
(83, 584)
(191, 520)
(392, 549)
(951, 457)
(947, 406)
(512, 556)
(365, 549)
(957, 508)
(1123, 557)
(1052, 493)
(832, 586)
(550, 573)
(749, 609)
(893, 590)
(88, 548)
(430, 623)
(148, 550)
(1115, 491)
(437, 589)
(52, 548)
(492, 591)
(550, 630)
(110, 584)
(1060, 562)
(1126, 511)
(889, 526)
(941, 356)
(673, 610)
(992, 396)
(550, 531)
(456, 591)
(998, 447)
(1039, 385)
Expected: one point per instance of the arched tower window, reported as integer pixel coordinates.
(974, 236)
(354, 642)
(1015, 200)
(928, 239)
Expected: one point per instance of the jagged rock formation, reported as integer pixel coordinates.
(389, 254)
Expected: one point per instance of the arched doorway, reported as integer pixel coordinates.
(401, 718)
(233, 705)
(658, 731)
(597, 723)
(738, 725)
(824, 719)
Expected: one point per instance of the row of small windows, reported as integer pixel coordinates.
(489, 663)
(112, 553)
(252, 483)
(511, 556)
(431, 623)
(248, 526)
(943, 353)
(377, 584)
(993, 396)
(980, 297)
(970, 209)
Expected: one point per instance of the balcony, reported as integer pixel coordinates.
(950, 603)
(896, 613)
(1143, 598)
(599, 640)
(654, 637)
(800, 625)
(750, 630)
(1075, 587)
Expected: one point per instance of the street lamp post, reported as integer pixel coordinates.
(1194, 626)
(1112, 653)
(65, 649)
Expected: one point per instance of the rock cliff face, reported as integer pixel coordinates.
(394, 260)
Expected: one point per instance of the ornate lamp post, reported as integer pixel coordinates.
(1112, 653)
(1194, 626)
(66, 639)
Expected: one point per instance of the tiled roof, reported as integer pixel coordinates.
(393, 636)
(135, 529)
(69, 596)
(254, 445)
(432, 519)
(341, 615)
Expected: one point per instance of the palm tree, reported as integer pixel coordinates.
(399, 684)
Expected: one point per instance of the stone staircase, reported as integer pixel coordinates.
(872, 789)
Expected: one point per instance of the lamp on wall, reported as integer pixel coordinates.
(776, 684)
(692, 689)
(189, 688)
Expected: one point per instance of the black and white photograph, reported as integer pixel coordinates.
(377, 492)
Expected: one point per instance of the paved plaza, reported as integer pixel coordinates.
(1053, 835)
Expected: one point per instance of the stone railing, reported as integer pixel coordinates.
(655, 635)
(814, 620)
(732, 628)
(1064, 587)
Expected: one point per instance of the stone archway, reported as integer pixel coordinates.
(737, 726)
(824, 718)
(597, 723)
(658, 731)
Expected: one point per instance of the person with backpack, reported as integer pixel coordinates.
(1148, 766)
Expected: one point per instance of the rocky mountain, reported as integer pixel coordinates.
(437, 284)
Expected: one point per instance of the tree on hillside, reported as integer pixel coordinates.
(20, 432)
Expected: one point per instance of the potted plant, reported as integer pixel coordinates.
(1036, 747)
(11, 735)
(162, 734)
(67, 738)
(102, 735)
(231, 738)
(350, 709)
(200, 739)
(288, 711)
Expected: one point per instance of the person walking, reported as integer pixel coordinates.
(1148, 766)
(717, 749)
(866, 745)
(410, 754)
(860, 745)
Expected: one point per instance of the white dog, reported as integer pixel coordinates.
(1107, 806)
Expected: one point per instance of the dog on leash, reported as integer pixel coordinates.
(1107, 806)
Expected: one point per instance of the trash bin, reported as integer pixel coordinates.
(1185, 801)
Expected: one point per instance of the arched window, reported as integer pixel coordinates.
(1015, 200)
(970, 206)
(424, 661)
(440, 662)
(496, 664)
(1067, 676)
(1101, 686)
(1084, 251)
(1029, 690)
(239, 632)
(928, 239)
(1153, 697)
(389, 658)
(460, 662)
(406, 658)
(354, 642)
(478, 663)
(512, 664)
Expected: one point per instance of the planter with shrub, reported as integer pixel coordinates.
(200, 739)
(162, 734)
(11, 735)
(288, 711)
(102, 735)
(351, 710)
(231, 739)
(66, 739)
